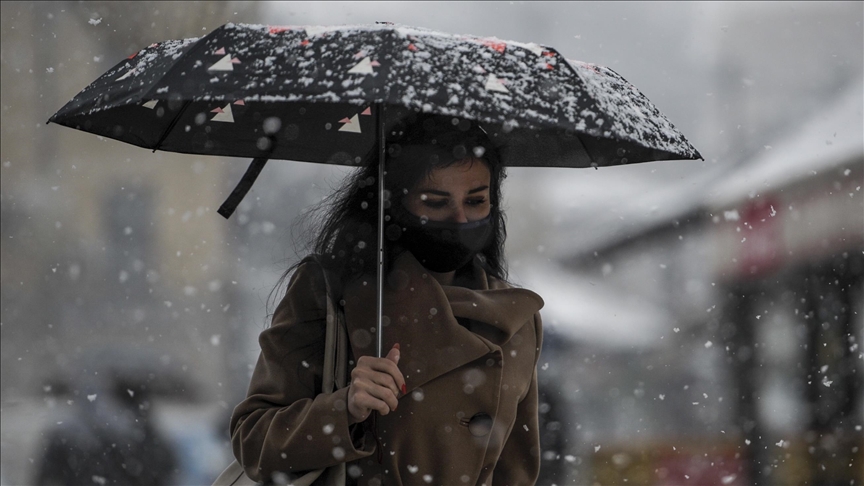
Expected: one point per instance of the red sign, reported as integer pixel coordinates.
(761, 234)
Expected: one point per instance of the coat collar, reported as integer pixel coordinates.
(421, 315)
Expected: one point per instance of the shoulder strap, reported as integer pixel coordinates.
(336, 340)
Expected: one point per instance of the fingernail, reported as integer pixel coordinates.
(396, 345)
(404, 389)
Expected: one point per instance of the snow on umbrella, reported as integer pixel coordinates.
(329, 95)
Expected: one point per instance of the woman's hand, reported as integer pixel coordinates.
(375, 385)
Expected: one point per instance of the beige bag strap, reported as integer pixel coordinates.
(335, 365)
(335, 375)
(336, 340)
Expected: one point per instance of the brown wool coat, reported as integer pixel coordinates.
(467, 355)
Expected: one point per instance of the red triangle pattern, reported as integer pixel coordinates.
(278, 29)
(494, 45)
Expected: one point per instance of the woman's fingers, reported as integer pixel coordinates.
(379, 393)
(365, 396)
(375, 385)
(363, 405)
(383, 365)
(394, 354)
(375, 377)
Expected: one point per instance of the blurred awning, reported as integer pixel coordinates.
(831, 138)
(593, 311)
(799, 202)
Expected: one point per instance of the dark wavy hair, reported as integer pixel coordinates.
(342, 229)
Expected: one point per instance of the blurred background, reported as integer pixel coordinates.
(703, 318)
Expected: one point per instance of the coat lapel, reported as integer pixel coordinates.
(420, 315)
(505, 310)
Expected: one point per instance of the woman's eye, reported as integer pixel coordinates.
(435, 204)
(476, 202)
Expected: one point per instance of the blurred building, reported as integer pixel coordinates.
(729, 351)
(107, 246)
(789, 253)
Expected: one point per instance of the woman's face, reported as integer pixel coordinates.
(458, 193)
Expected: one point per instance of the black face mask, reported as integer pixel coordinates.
(443, 246)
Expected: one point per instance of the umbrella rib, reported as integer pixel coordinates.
(171, 125)
(202, 42)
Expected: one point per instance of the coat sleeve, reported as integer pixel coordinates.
(286, 424)
(519, 463)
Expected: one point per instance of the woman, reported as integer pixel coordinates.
(456, 395)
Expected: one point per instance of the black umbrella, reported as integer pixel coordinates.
(330, 95)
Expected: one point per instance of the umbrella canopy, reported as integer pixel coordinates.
(333, 95)
(306, 94)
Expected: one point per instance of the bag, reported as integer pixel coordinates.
(335, 375)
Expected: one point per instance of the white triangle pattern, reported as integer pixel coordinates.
(223, 64)
(536, 49)
(352, 126)
(362, 67)
(494, 84)
(226, 116)
(150, 104)
(128, 74)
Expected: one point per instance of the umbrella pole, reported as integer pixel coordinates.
(379, 342)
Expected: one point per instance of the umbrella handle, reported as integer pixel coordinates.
(230, 205)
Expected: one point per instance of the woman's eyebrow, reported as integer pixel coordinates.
(436, 192)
